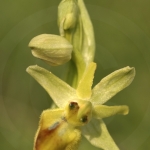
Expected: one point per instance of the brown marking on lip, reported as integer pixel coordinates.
(43, 134)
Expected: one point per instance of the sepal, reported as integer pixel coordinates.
(59, 91)
(112, 84)
(97, 134)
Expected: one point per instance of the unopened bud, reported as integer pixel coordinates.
(67, 15)
(53, 49)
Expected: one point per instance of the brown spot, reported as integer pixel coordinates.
(73, 105)
(84, 119)
(43, 134)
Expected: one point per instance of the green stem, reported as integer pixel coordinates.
(78, 65)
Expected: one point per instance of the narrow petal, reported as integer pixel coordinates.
(102, 111)
(84, 87)
(112, 84)
(60, 92)
(97, 134)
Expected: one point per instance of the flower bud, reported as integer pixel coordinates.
(67, 15)
(53, 49)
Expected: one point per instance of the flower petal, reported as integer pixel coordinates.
(102, 111)
(112, 84)
(60, 92)
(85, 84)
(97, 134)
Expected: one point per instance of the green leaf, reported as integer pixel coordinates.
(59, 91)
(102, 111)
(85, 84)
(112, 84)
(88, 41)
(97, 134)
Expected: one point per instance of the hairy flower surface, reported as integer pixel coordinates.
(80, 110)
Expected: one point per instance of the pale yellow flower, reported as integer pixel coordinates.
(80, 110)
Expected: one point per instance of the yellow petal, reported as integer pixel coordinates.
(85, 84)
(102, 111)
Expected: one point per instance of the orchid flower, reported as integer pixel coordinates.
(80, 110)
(80, 107)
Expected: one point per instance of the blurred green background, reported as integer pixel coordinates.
(122, 32)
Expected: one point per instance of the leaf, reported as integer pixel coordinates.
(60, 92)
(112, 84)
(85, 84)
(97, 134)
(102, 111)
(88, 41)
